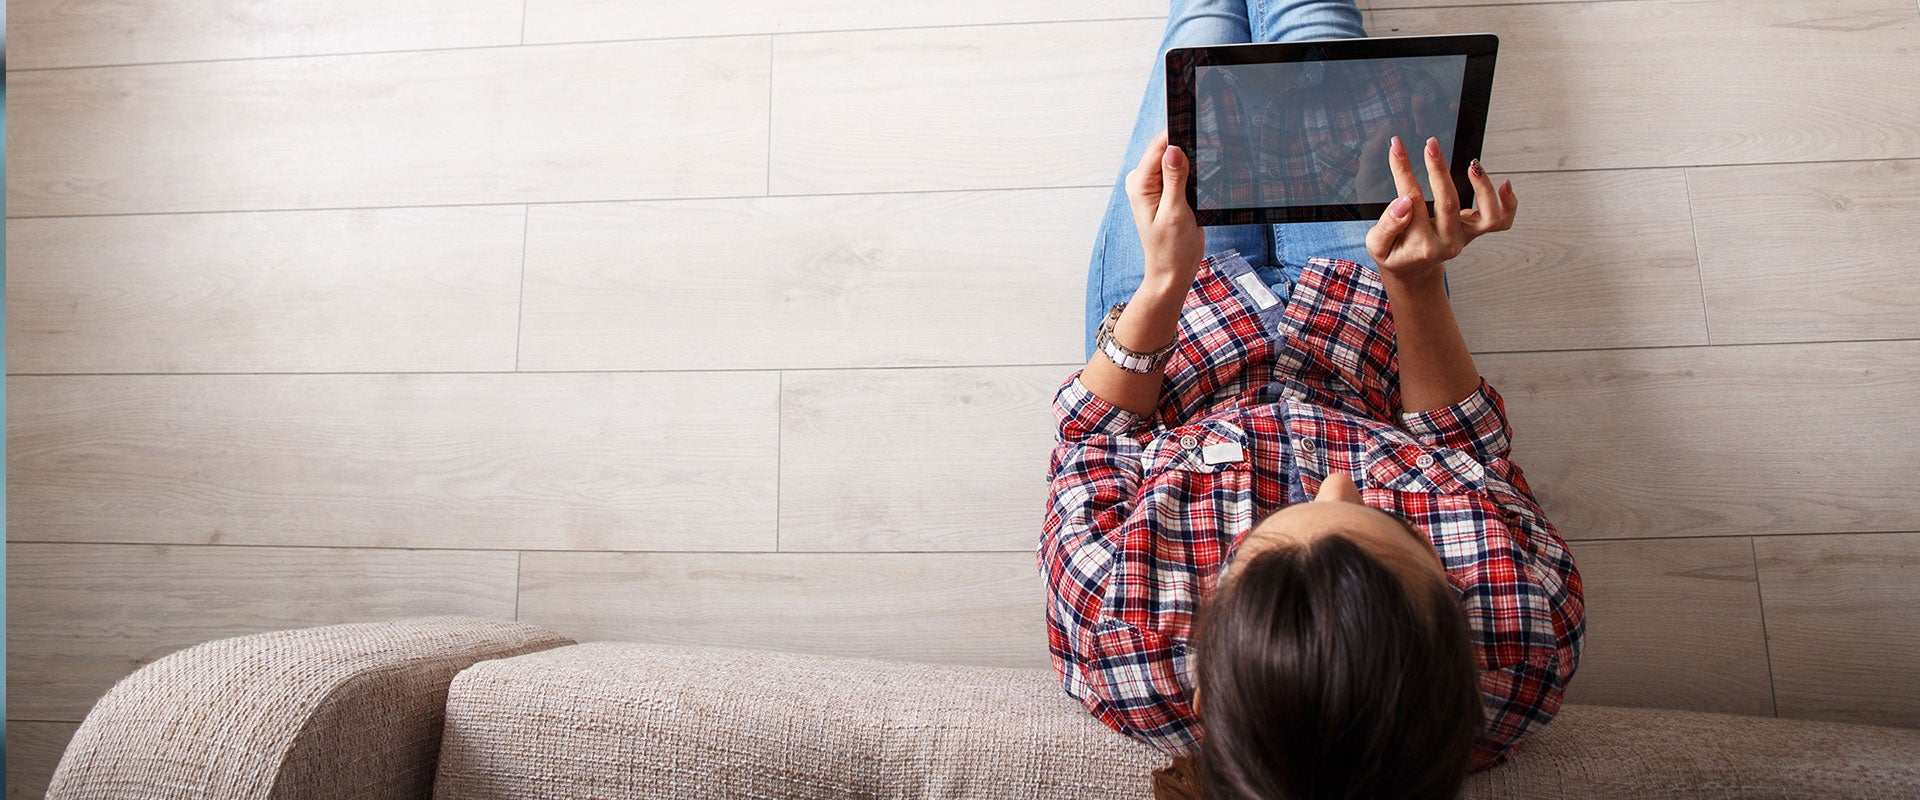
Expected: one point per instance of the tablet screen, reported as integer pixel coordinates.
(1311, 133)
(1300, 131)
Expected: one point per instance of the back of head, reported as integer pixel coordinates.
(1323, 678)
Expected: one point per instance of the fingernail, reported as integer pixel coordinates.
(1478, 170)
(1433, 144)
(1398, 148)
(1400, 206)
(1172, 156)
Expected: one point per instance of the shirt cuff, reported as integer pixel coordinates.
(1079, 413)
(1477, 424)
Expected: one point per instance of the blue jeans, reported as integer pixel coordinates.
(1277, 252)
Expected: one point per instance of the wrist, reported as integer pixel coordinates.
(1419, 281)
(1159, 290)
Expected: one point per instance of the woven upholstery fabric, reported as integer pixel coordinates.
(619, 720)
(339, 711)
(1655, 754)
(625, 720)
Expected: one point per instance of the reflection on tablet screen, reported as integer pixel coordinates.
(1317, 132)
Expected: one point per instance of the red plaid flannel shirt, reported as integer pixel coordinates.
(1139, 523)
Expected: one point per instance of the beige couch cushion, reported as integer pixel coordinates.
(609, 719)
(330, 712)
(613, 719)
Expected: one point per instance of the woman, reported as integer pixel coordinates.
(1284, 540)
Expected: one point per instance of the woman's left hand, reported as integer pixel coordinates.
(1408, 245)
(1172, 239)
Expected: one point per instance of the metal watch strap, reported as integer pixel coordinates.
(1120, 355)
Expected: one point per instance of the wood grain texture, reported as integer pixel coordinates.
(1673, 624)
(33, 752)
(1015, 128)
(312, 291)
(1762, 439)
(1843, 625)
(82, 616)
(959, 608)
(597, 461)
(1381, 5)
(66, 33)
(957, 108)
(917, 459)
(1809, 251)
(876, 280)
(1709, 82)
(1594, 259)
(497, 125)
(586, 20)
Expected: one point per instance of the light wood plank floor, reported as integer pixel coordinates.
(317, 315)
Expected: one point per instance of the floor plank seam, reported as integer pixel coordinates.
(1441, 6)
(1027, 550)
(885, 367)
(1369, 9)
(884, 192)
(1766, 646)
(520, 312)
(779, 466)
(1699, 268)
(523, 43)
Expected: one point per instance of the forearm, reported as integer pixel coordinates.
(1150, 320)
(1436, 370)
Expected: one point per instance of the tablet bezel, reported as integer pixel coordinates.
(1470, 127)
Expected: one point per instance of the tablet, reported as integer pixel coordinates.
(1299, 131)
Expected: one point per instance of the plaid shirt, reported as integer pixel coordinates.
(1145, 510)
(1301, 144)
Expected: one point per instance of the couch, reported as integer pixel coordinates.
(465, 708)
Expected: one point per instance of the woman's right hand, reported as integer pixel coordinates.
(1406, 244)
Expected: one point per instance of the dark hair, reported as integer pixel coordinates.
(1323, 677)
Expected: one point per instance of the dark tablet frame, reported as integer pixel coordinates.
(1469, 129)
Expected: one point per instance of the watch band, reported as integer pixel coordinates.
(1120, 355)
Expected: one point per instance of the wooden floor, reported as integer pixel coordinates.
(740, 327)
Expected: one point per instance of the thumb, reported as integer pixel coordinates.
(1398, 216)
(1173, 190)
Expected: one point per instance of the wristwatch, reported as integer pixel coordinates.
(1129, 360)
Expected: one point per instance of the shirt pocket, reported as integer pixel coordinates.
(1408, 466)
(1464, 527)
(1210, 446)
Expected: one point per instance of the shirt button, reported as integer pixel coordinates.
(1424, 461)
(1306, 445)
(1189, 442)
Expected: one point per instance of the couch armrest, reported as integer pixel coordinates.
(337, 711)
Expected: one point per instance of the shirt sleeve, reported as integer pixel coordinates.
(1518, 699)
(1521, 697)
(1137, 685)
(1079, 414)
(1476, 425)
(1094, 475)
(1532, 602)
